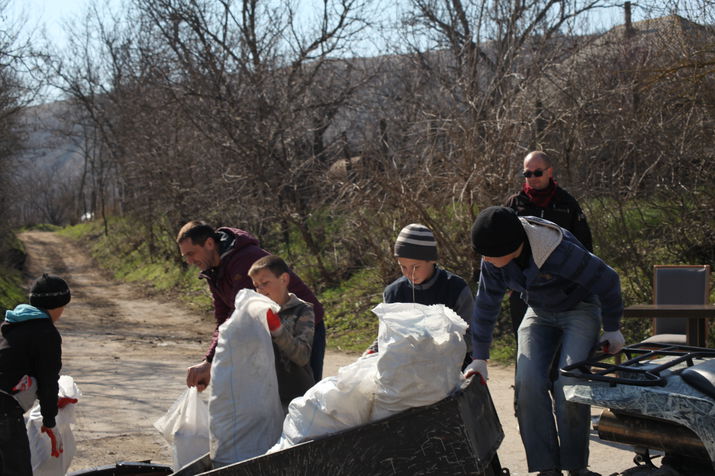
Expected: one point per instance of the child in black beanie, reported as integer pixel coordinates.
(30, 363)
(571, 293)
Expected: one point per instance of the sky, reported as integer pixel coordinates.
(52, 13)
(48, 13)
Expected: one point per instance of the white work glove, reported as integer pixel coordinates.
(477, 367)
(612, 341)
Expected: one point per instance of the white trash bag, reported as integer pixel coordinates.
(186, 428)
(245, 412)
(43, 464)
(421, 352)
(333, 404)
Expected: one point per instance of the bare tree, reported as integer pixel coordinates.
(452, 123)
(16, 90)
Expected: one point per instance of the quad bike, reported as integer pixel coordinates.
(660, 399)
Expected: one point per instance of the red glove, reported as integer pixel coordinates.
(56, 440)
(24, 384)
(274, 322)
(64, 401)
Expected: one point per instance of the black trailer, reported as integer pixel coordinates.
(457, 435)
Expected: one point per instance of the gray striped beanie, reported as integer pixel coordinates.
(416, 241)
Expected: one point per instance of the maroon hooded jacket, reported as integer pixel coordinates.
(239, 250)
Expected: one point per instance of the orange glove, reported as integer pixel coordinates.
(274, 322)
(55, 439)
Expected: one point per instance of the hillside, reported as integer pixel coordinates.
(52, 140)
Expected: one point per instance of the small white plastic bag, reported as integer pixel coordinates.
(186, 427)
(43, 464)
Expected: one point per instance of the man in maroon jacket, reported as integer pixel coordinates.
(224, 257)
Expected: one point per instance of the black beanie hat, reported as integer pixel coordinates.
(49, 292)
(416, 241)
(497, 232)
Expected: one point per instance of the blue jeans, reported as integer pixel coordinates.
(555, 434)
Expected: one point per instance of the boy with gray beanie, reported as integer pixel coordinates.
(570, 292)
(30, 363)
(423, 281)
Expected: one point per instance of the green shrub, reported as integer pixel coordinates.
(350, 324)
(12, 291)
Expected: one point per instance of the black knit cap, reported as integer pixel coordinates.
(416, 241)
(497, 232)
(49, 292)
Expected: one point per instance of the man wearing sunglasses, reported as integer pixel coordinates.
(541, 196)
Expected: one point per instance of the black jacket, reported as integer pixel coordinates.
(32, 348)
(562, 210)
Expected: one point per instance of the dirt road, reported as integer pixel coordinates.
(128, 355)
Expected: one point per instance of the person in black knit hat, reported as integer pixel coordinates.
(571, 294)
(423, 281)
(30, 363)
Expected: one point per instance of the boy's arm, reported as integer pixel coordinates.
(487, 305)
(47, 371)
(297, 347)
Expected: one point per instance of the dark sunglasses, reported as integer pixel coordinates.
(535, 173)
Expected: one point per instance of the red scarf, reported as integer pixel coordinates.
(543, 197)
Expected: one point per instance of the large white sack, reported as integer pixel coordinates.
(43, 464)
(421, 352)
(333, 404)
(185, 426)
(245, 412)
